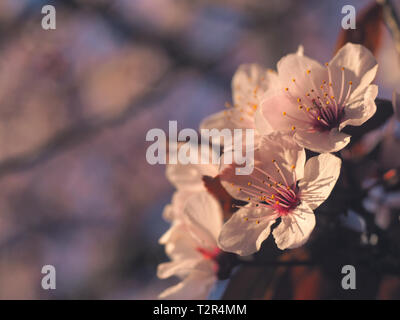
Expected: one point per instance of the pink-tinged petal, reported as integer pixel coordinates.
(249, 83)
(196, 286)
(220, 120)
(204, 217)
(245, 231)
(189, 176)
(295, 228)
(276, 146)
(281, 113)
(359, 112)
(170, 234)
(179, 243)
(357, 59)
(320, 176)
(174, 210)
(295, 72)
(179, 268)
(330, 141)
(262, 125)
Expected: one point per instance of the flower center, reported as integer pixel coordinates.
(326, 118)
(209, 254)
(268, 192)
(318, 109)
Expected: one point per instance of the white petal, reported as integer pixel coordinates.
(249, 83)
(356, 114)
(243, 236)
(189, 176)
(219, 120)
(356, 58)
(320, 176)
(204, 216)
(178, 268)
(295, 228)
(330, 141)
(174, 210)
(179, 243)
(295, 66)
(196, 286)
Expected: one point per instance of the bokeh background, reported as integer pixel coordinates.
(76, 104)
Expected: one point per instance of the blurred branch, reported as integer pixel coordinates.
(82, 131)
(392, 21)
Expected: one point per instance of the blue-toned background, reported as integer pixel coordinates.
(77, 102)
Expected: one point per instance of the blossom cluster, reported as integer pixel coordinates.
(302, 105)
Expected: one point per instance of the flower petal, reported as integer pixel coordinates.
(189, 176)
(196, 286)
(356, 58)
(249, 83)
(330, 141)
(180, 268)
(245, 231)
(295, 228)
(320, 176)
(204, 216)
(219, 120)
(356, 114)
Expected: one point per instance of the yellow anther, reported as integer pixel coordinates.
(249, 183)
(318, 118)
(293, 128)
(257, 222)
(298, 99)
(294, 80)
(350, 83)
(246, 219)
(308, 71)
(300, 107)
(286, 89)
(308, 109)
(254, 107)
(284, 113)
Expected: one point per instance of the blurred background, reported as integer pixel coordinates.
(77, 102)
